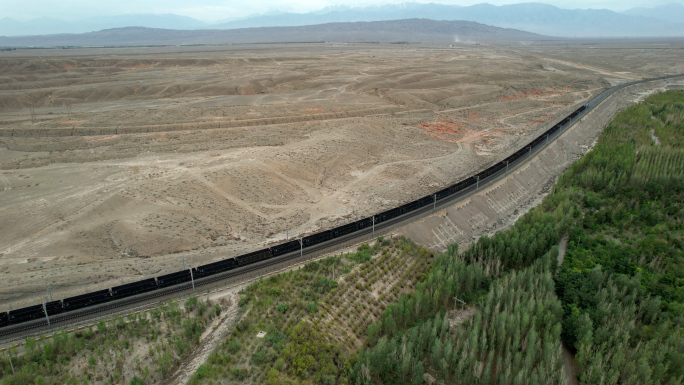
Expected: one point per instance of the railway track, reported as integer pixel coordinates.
(15, 333)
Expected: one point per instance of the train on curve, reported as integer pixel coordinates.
(35, 312)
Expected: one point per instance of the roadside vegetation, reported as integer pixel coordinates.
(316, 318)
(137, 349)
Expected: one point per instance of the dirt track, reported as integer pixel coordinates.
(369, 127)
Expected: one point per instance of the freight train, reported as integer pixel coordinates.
(26, 314)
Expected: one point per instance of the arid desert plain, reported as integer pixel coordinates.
(118, 164)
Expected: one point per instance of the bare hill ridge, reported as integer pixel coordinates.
(410, 30)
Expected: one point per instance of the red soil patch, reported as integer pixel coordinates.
(74, 123)
(452, 132)
(474, 115)
(445, 130)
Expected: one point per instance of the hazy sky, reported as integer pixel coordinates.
(211, 10)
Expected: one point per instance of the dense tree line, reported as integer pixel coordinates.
(514, 339)
(622, 282)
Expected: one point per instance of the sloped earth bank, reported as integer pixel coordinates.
(310, 137)
(499, 205)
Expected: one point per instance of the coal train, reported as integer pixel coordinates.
(35, 312)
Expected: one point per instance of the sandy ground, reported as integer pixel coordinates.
(310, 137)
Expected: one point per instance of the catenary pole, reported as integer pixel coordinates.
(12, 365)
(46, 314)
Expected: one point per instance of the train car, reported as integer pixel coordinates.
(576, 112)
(85, 300)
(317, 238)
(403, 209)
(54, 307)
(537, 142)
(134, 288)
(490, 171)
(174, 278)
(451, 190)
(554, 129)
(25, 314)
(254, 256)
(365, 223)
(418, 203)
(285, 248)
(3, 320)
(387, 215)
(344, 229)
(517, 155)
(215, 267)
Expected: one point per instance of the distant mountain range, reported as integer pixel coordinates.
(48, 26)
(532, 17)
(411, 30)
(673, 13)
